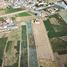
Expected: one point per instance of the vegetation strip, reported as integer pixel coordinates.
(24, 54)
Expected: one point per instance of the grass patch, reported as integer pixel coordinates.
(2, 46)
(48, 26)
(24, 44)
(24, 35)
(18, 46)
(23, 14)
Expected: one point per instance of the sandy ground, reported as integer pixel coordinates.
(44, 51)
(25, 18)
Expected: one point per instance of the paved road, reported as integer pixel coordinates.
(44, 51)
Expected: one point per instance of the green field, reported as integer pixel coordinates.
(18, 46)
(24, 37)
(61, 28)
(2, 46)
(55, 31)
(24, 54)
(23, 14)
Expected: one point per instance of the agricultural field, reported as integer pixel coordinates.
(57, 32)
(11, 10)
(11, 56)
(2, 47)
(26, 32)
(56, 26)
(59, 45)
(24, 54)
(23, 14)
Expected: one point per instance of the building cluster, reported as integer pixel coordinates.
(6, 24)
